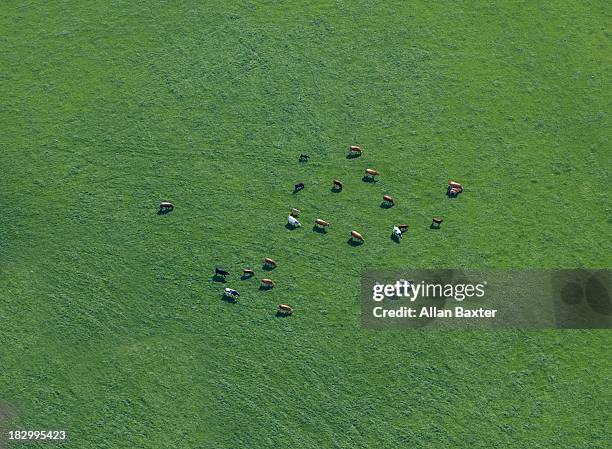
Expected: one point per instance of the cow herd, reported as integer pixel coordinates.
(356, 238)
(232, 295)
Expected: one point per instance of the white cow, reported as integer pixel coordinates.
(293, 221)
(230, 292)
(397, 232)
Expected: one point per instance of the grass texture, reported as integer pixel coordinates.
(111, 326)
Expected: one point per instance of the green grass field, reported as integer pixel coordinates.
(110, 324)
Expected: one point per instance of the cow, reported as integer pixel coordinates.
(299, 186)
(247, 272)
(403, 227)
(295, 212)
(230, 292)
(304, 157)
(388, 200)
(293, 222)
(337, 185)
(454, 188)
(322, 223)
(455, 185)
(285, 309)
(357, 236)
(436, 222)
(221, 272)
(370, 174)
(269, 263)
(166, 206)
(397, 232)
(267, 283)
(453, 192)
(354, 150)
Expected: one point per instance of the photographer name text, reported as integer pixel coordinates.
(433, 312)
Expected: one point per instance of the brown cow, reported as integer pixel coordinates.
(454, 188)
(354, 150)
(371, 173)
(295, 212)
(403, 227)
(165, 206)
(388, 199)
(455, 185)
(322, 223)
(285, 309)
(267, 283)
(248, 272)
(338, 185)
(357, 236)
(436, 222)
(269, 262)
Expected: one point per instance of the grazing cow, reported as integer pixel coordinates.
(299, 186)
(293, 221)
(397, 232)
(269, 263)
(387, 199)
(295, 212)
(403, 227)
(322, 223)
(357, 236)
(248, 272)
(230, 292)
(220, 271)
(370, 173)
(436, 222)
(354, 150)
(338, 185)
(455, 185)
(304, 157)
(267, 283)
(166, 206)
(454, 188)
(285, 309)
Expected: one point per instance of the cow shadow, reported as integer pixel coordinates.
(434, 226)
(265, 288)
(571, 294)
(297, 190)
(351, 241)
(353, 155)
(280, 314)
(335, 190)
(218, 278)
(163, 211)
(267, 267)
(385, 205)
(244, 277)
(229, 299)
(319, 229)
(597, 295)
(290, 227)
(395, 238)
(369, 179)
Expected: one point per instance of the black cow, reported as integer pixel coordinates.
(304, 157)
(220, 271)
(299, 186)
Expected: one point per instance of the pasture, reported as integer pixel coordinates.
(111, 326)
